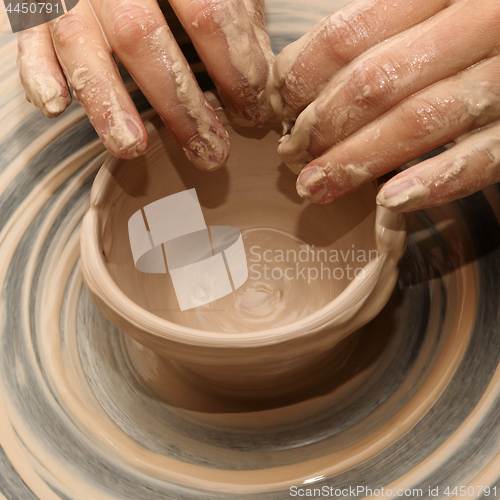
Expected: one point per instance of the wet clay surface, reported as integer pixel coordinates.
(82, 416)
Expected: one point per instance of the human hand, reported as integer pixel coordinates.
(229, 36)
(379, 83)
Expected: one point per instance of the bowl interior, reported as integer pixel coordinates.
(300, 256)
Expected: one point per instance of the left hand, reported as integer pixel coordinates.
(380, 83)
(78, 49)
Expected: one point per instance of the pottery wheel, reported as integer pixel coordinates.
(415, 406)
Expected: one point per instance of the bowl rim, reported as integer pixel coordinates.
(347, 304)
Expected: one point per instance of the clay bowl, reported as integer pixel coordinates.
(330, 268)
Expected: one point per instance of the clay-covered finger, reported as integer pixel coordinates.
(40, 72)
(423, 122)
(304, 68)
(473, 164)
(386, 75)
(92, 72)
(225, 36)
(256, 13)
(139, 35)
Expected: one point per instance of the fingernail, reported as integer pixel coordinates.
(313, 185)
(210, 151)
(132, 128)
(403, 194)
(124, 138)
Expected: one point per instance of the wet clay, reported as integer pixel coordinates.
(316, 273)
(65, 443)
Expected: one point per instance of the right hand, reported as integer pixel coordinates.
(380, 83)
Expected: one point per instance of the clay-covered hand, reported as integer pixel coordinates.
(379, 83)
(229, 36)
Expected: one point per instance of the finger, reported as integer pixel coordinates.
(382, 78)
(256, 13)
(40, 72)
(421, 123)
(224, 35)
(468, 167)
(92, 72)
(336, 41)
(139, 35)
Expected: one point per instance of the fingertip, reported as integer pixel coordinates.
(293, 147)
(45, 91)
(403, 194)
(40, 72)
(54, 107)
(210, 150)
(314, 185)
(129, 154)
(125, 138)
(294, 157)
(135, 150)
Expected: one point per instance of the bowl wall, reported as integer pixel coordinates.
(283, 320)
